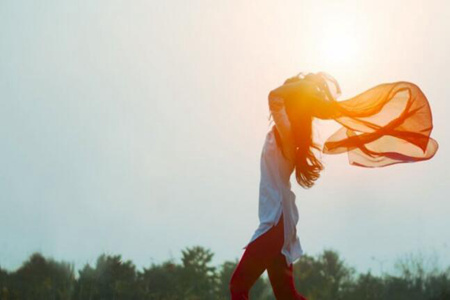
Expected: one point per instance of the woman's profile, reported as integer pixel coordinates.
(388, 124)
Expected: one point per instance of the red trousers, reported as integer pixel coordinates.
(261, 254)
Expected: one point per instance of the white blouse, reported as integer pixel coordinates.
(275, 195)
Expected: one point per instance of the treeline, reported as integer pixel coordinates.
(323, 277)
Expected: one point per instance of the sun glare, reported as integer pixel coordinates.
(339, 46)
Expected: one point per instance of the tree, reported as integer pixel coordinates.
(160, 282)
(199, 279)
(39, 278)
(366, 287)
(112, 279)
(4, 276)
(322, 278)
(225, 273)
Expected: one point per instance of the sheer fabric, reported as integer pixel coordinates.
(388, 124)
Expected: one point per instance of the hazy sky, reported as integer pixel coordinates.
(136, 127)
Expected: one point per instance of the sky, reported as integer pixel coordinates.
(136, 127)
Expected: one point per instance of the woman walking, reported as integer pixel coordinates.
(387, 124)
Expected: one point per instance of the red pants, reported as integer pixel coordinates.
(261, 254)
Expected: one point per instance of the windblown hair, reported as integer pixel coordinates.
(300, 114)
(369, 140)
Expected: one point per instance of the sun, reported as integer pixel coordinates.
(339, 46)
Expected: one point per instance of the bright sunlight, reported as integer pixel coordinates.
(339, 45)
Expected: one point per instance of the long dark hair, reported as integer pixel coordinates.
(300, 114)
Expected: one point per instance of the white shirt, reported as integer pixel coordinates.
(275, 195)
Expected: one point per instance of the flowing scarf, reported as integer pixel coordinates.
(387, 124)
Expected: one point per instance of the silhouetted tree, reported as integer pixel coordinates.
(194, 279)
(322, 278)
(3, 284)
(112, 279)
(367, 287)
(41, 278)
(199, 279)
(161, 282)
(225, 272)
(438, 287)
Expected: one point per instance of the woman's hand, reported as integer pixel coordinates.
(275, 103)
(292, 79)
(296, 89)
(302, 96)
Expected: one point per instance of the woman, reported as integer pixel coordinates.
(387, 124)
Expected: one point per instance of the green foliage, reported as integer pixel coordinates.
(110, 280)
(3, 284)
(226, 271)
(160, 282)
(198, 278)
(324, 277)
(40, 278)
(194, 279)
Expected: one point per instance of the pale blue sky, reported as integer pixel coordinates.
(136, 127)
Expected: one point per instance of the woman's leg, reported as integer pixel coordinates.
(255, 260)
(248, 270)
(282, 279)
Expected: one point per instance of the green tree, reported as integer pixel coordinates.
(160, 282)
(41, 278)
(322, 278)
(199, 278)
(112, 279)
(366, 287)
(194, 279)
(4, 291)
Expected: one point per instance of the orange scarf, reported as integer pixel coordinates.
(388, 124)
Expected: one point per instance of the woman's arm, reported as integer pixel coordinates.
(288, 90)
(293, 88)
(278, 110)
(306, 96)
